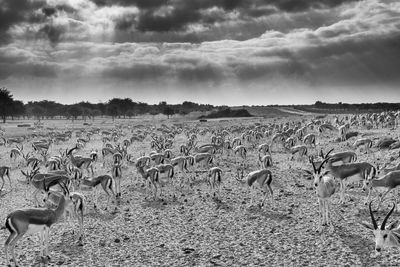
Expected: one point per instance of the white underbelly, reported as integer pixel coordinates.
(354, 179)
(35, 228)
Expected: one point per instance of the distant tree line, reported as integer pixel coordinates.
(116, 108)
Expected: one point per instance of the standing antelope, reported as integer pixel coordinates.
(77, 209)
(150, 175)
(205, 158)
(166, 174)
(117, 175)
(241, 151)
(106, 182)
(31, 221)
(325, 187)
(265, 161)
(214, 180)
(350, 172)
(260, 178)
(42, 182)
(181, 163)
(384, 236)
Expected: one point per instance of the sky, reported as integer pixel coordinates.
(220, 52)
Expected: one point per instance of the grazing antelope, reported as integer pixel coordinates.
(388, 182)
(385, 169)
(384, 236)
(301, 150)
(43, 182)
(349, 172)
(325, 187)
(31, 221)
(366, 142)
(340, 157)
(181, 163)
(227, 147)
(17, 152)
(325, 127)
(214, 180)
(309, 140)
(80, 162)
(260, 178)
(106, 182)
(204, 158)
(77, 209)
(241, 151)
(150, 175)
(157, 158)
(4, 171)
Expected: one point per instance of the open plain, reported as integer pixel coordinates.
(194, 228)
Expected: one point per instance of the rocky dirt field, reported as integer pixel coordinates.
(196, 230)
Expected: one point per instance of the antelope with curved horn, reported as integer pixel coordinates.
(349, 172)
(384, 236)
(31, 221)
(325, 187)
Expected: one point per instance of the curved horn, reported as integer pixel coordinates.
(327, 154)
(387, 217)
(372, 216)
(322, 164)
(311, 160)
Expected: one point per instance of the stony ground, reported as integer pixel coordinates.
(196, 230)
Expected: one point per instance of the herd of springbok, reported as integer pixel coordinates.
(61, 167)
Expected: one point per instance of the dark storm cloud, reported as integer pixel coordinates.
(16, 11)
(182, 13)
(49, 10)
(138, 3)
(175, 21)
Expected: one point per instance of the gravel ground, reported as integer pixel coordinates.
(196, 230)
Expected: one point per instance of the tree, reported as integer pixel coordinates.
(168, 111)
(6, 103)
(113, 111)
(38, 112)
(18, 108)
(74, 111)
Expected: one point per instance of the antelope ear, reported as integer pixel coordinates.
(392, 225)
(367, 225)
(24, 173)
(325, 173)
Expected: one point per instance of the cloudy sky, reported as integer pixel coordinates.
(208, 51)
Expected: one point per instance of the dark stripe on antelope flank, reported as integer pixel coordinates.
(396, 236)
